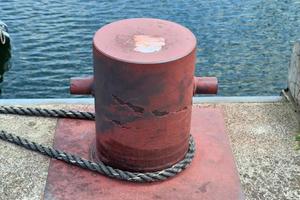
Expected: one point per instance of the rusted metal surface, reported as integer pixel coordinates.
(121, 41)
(205, 85)
(143, 88)
(143, 71)
(202, 85)
(80, 85)
(212, 174)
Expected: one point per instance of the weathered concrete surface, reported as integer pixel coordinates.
(23, 173)
(262, 138)
(261, 135)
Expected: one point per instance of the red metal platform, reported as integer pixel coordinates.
(212, 174)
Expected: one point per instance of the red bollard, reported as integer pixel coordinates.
(143, 87)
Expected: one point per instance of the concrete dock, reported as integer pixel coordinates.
(261, 132)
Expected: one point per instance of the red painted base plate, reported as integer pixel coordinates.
(212, 174)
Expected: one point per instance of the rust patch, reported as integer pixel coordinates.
(160, 113)
(203, 187)
(182, 109)
(135, 108)
(120, 124)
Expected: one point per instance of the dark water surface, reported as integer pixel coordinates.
(246, 44)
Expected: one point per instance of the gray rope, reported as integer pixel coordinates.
(57, 113)
(87, 164)
(3, 27)
(2, 37)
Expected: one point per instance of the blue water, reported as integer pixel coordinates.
(245, 43)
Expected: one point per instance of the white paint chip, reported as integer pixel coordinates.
(148, 44)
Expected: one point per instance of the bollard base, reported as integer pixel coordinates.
(212, 174)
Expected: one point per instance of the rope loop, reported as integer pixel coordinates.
(2, 37)
(72, 159)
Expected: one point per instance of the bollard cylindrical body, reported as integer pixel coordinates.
(143, 88)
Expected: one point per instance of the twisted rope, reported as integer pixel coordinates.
(3, 28)
(2, 37)
(72, 159)
(39, 112)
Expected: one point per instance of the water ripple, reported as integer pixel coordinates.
(246, 44)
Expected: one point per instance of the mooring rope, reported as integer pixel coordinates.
(3, 28)
(39, 112)
(2, 37)
(81, 162)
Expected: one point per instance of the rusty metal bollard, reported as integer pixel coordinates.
(143, 86)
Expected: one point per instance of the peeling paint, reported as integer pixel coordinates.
(182, 109)
(119, 123)
(116, 122)
(162, 113)
(148, 44)
(133, 107)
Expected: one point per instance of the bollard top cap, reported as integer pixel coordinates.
(144, 41)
